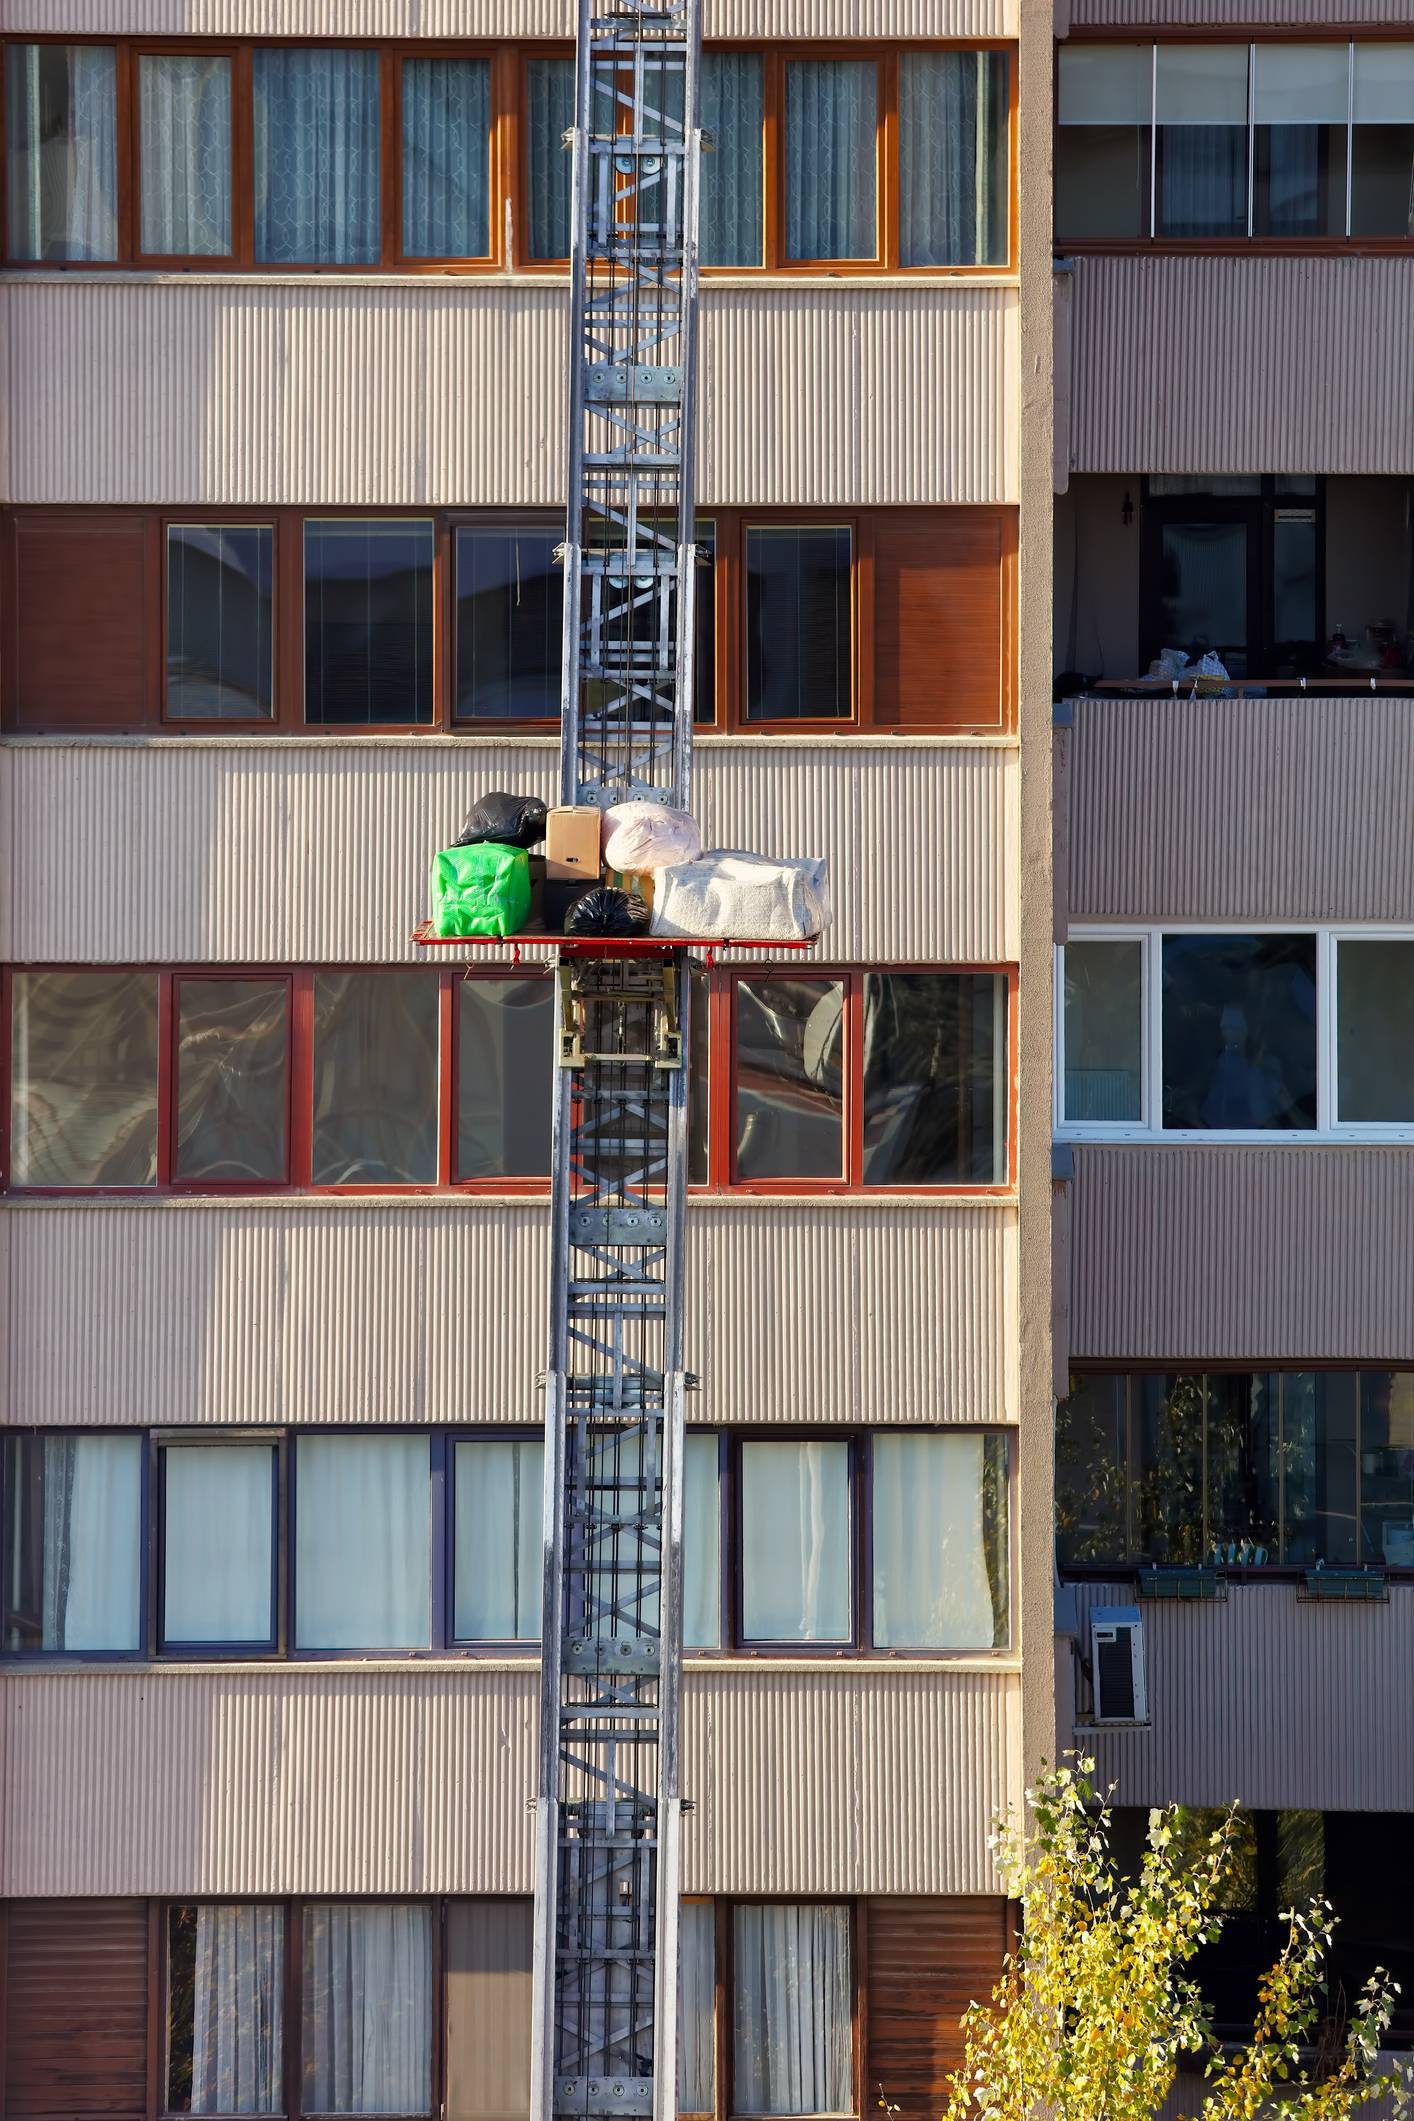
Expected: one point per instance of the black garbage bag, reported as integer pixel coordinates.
(506, 820)
(604, 911)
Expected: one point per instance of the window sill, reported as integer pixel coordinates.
(290, 1197)
(455, 282)
(509, 740)
(1264, 1138)
(351, 1664)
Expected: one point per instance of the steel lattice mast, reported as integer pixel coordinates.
(608, 1808)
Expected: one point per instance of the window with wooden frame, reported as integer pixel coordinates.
(209, 154)
(419, 1078)
(808, 621)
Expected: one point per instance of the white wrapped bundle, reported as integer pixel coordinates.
(746, 895)
(644, 836)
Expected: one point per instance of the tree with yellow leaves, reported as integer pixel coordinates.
(1096, 2009)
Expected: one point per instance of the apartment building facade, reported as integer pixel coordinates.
(284, 330)
(1233, 921)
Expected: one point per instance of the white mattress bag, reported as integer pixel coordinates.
(643, 836)
(749, 896)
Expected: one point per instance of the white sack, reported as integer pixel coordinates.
(649, 836)
(746, 895)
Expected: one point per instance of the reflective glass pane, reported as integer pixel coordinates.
(1295, 589)
(496, 1583)
(1382, 145)
(83, 1079)
(504, 1077)
(218, 1581)
(317, 124)
(368, 621)
(61, 152)
(795, 1537)
(446, 158)
(549, 97)
(375, 1079)
(1244, 1466)
(1201, 115)
(733, 112)
(1375, 1032)
(1104, 1032)
(225, 2007)
(184, 114)
(831, 158)
(1318, 1448)
(1092, 1455)
(940, 1541)
(367, 2007)
(1167, 1472)
(701, 1544)
(73, 1542)
(1387, 1469)
(1300, 102)
(220, 621)
(510, 606)
(799, 630)
(1103, 137)
(1239, 1031)
(954, 138)
(699, 1040)
(1203, 590)
(788, 1078)
(362, 1556)
(232, 1040)
(935, 1079)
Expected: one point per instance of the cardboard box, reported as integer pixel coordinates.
(573, 840)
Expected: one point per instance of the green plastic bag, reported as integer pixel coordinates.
(481, 890)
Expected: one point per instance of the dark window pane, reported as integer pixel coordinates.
(1239, 1031)
(368, 621)
(61, 140)
(1387, 1468)
(232, 1039)
(1294, 586)
(788, 1073)
(1375, 1032)
(1104, 1027)
(935, 1079)
(73, 1542)
(1382, 181)
(798, 624)
(954, 126)
(1092, 1472)
(510, 605)
(375, 1078)
(83, 1088)
(1318, 1464)
(220, 621)
(1102, 181)
(1243, 1465)
(446, 158)
(831, 158)
(316, 156)
(184, 102)
(504, 1078)
(1203, 590)
(1201, 149)
(549, 96)
(1300, 112)
(225, 2007)
(1167, 1504)
(732, 111)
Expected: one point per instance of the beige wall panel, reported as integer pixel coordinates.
(1191, 1254)
(429, 1311)
(287, 851)
(380, 1782)
(452, 393)
(1259, 14)
(496, 18)
(1267, 1702)
(1245, 810)
(1173, 367)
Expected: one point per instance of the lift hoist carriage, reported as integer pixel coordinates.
(608, 1808)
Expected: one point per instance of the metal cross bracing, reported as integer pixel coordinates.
(608, 1806)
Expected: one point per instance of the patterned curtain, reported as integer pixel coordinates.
(953, 153)
(237, 2019)
(316, 157)
(446, 158)
(184, 106)
(549, 114)
(831, 126)
(61, 116)
(732, 104)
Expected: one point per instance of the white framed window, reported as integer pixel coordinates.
(1254, 1032)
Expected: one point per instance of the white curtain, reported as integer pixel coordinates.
(362, 1543)
(92, 1543)
(316, 157)
(237, 2016)
(795, 1542)
(732, 111)
(217, 1531)
(367, 2008)
(62, 129)
(497, 1567)
(831, 123)
(933, 1587)
(794, 2042)
(953, 196)
(446, 158)
(701, 1545)
(697, 1996)
(185, 115)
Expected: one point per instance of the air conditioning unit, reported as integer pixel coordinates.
(1117, 1664)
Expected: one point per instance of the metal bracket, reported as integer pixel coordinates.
(618, 1226)
(667, 1046)
(571, 1021)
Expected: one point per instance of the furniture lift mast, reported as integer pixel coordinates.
(608, 1808)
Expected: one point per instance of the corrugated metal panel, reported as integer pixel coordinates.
(450, 392)
(245, 848)
(1260, 14)
(376, 1782)
(1173, 367)
(430, 1311)
(495, 18)
(1191, 1254)
(1251, 810)
(1267, 1702)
